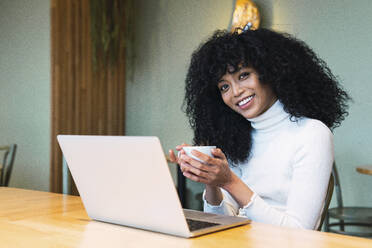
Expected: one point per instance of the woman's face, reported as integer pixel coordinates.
(243, 92)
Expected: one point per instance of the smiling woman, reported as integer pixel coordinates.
(268, 104)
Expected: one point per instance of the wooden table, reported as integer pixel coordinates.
(365, 169)
(41, 219)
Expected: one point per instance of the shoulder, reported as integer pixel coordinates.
(313, 131)
(314, 144)
(309, 127)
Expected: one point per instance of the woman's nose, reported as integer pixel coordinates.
(237, 90)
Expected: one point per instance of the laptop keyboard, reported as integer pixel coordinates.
(196, 224)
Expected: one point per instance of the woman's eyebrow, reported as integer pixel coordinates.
(238, 70)
(241, 68)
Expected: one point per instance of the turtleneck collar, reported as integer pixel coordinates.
(270, 118)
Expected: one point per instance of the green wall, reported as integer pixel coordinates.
(167, 31)
(25, 89)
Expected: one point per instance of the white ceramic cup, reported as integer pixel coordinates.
(204, 149)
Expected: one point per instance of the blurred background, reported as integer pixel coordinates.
(159, 38)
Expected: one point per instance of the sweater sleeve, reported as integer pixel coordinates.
(312, 165)
(228, 205)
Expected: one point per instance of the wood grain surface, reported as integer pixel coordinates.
(40, 219)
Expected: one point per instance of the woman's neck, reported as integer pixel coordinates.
(270, 118)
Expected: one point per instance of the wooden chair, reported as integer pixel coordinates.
(9, 153)
(359, 218)
(328, 199)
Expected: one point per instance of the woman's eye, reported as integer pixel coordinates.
(243, 75)
(224, 87)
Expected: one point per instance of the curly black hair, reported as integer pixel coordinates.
(302, 82)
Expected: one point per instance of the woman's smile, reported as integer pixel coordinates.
(246, 102)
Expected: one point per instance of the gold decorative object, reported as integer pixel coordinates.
(245, 12)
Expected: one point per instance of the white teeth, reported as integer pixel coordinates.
(246, 100)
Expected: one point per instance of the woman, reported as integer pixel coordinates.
(269, 104)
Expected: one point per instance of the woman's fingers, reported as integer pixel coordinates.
(179, 147)
(217, 153)
(212, 171)
(193, 173)
(172, 156)
(195, 178)
(218, 156)
(191, 169)
(194, 163)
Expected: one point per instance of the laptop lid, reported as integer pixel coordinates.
(126, 180)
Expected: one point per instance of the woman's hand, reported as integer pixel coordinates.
(172, 156)
(214, 171)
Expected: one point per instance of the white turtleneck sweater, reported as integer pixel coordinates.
(288, 171)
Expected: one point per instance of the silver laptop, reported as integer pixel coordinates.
(125, 180)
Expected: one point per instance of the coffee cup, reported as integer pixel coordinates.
(203, 149)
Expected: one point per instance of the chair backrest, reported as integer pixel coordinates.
(9, 153)
(328, 198)
(337, 187)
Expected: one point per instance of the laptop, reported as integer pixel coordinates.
(125, 180)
